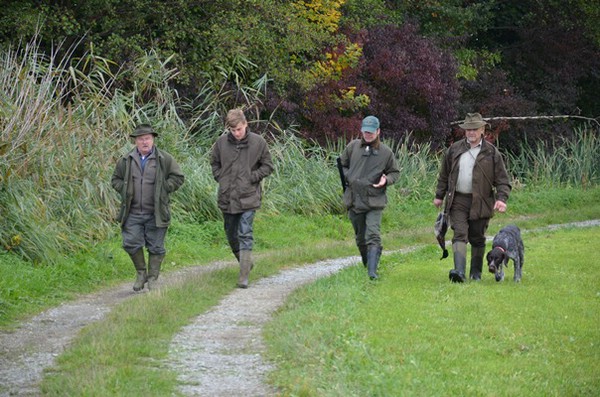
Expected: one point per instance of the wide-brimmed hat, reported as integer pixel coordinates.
(370, 124)
(143, 129)
(473, 121)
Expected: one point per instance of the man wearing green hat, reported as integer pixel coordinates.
(369, 167)
(145, 177)
(474, 181)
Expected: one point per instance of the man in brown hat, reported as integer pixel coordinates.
(145, 177)
(471, 171)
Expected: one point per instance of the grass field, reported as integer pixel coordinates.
(416, 334)
(411, 334)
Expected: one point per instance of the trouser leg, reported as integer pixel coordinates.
(231, 226)
(242, 234)
(358, 224)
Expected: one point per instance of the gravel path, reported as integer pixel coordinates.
(33, 345)
(218, 354)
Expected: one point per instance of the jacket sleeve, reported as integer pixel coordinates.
(345, 158)
(265, 164)
(174, 178)
(442, 182)
(392, 173)
(118, 176)
(501, 178)
(215, 161)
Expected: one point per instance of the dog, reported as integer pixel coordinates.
(507, 244)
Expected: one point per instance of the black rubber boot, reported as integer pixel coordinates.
(476, 262)
(457, 275)
(373, 254)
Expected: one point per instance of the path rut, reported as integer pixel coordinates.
(218, 354)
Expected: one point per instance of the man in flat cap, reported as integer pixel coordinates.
(474, 181)
(145, 177)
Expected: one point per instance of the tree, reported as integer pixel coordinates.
(402, 77)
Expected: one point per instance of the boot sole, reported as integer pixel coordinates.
(456, 278)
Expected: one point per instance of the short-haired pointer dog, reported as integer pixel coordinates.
(507, 244)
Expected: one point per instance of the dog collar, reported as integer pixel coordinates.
(500, 248)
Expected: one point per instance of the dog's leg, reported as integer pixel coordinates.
(518, 268)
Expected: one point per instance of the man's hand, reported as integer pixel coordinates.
(437, 202)
(382, 181)
(500, 206)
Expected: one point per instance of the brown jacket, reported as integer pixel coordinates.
(489, 174)
(239, 167)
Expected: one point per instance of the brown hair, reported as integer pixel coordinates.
(234, 118)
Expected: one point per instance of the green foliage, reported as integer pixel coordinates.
(450, 18)
(364, 14)
(470, 62)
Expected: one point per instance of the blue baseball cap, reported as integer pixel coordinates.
(370, 124)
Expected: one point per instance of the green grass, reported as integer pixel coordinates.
(346, 331)
(416, 334)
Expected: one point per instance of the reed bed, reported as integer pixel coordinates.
(64, 125)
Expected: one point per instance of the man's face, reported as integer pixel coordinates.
(239, 131)
(370, 136)
(474, 135)
(144, 143)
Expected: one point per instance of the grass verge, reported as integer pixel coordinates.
(416, 334)
(119, 354)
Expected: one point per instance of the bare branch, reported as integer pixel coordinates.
(593, 120)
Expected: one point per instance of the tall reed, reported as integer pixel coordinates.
(65, 124)
(574, 162)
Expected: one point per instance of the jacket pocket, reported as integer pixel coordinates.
(377, 199)
(251, 201)
(348, 197)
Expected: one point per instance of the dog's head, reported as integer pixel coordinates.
(496, 259)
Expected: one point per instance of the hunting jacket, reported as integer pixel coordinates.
(239, 167)
(489, 174)
(363, 166)
(168, 178)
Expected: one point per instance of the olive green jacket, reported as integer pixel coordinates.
(362, 169)
(490, 179)
(168, 179)
(239, 167)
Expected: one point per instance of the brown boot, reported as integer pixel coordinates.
(154, 262)
(140, 267)
(245, 267)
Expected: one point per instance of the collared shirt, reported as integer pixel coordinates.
(464, 184)
(143, 159)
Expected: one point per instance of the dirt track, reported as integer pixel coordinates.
(219, 354)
